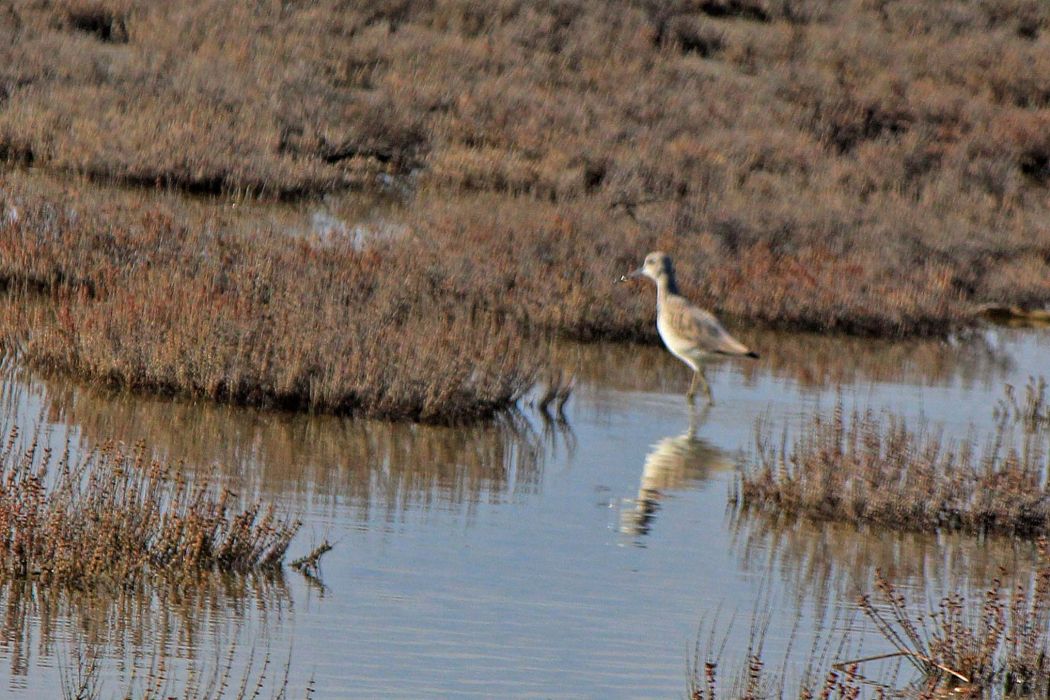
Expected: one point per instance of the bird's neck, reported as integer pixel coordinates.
(665, 284)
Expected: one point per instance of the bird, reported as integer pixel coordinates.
(690, 333)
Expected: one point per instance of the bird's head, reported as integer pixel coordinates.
(655, 266)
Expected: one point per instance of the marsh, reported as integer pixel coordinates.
(493, 558)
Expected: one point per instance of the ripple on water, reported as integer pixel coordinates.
(501, 559)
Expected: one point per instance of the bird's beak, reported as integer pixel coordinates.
(632, 275)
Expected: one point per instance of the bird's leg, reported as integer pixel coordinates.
(704, 385)
(690, 395)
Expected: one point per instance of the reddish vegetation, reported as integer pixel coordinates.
(876, 167)
(139, 301)
(990, 644)
(864, 468)
(114, 517)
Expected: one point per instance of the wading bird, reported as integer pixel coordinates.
(690, 333)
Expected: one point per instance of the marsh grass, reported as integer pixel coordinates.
(1033, 412)
(707, 684)
(710, 676)
(437, 324)
(872, 167)
(140, 300)
(865, 468)
(992, 643)
(114, 517)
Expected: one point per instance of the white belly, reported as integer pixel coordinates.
(683, 349)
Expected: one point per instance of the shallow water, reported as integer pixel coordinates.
(520, 558)
(356, 218)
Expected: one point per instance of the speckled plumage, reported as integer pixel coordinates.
(689, 332)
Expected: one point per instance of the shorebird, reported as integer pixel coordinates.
(691, 334)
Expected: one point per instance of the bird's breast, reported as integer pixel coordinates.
(681, 347)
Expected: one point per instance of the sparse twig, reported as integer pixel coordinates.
(309, 564)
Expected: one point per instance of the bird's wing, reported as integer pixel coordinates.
(702, 328)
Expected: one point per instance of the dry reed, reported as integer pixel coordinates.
(864, 468)
(707, 685)
(876, 167)
(994, 644)
(1033, 413)
(138, 299)
(115, 517)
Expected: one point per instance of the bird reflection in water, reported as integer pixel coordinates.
(674, 463)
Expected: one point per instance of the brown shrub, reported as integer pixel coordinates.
(114, 517)
(875, 167)
(862, 468)
(990, 643)
(136, 300)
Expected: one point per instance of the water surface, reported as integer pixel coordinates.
(518, 558)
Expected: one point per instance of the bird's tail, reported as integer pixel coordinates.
(743, 352)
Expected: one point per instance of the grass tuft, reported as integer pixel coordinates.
(867, 468)
(115, 517)
(992, 644)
